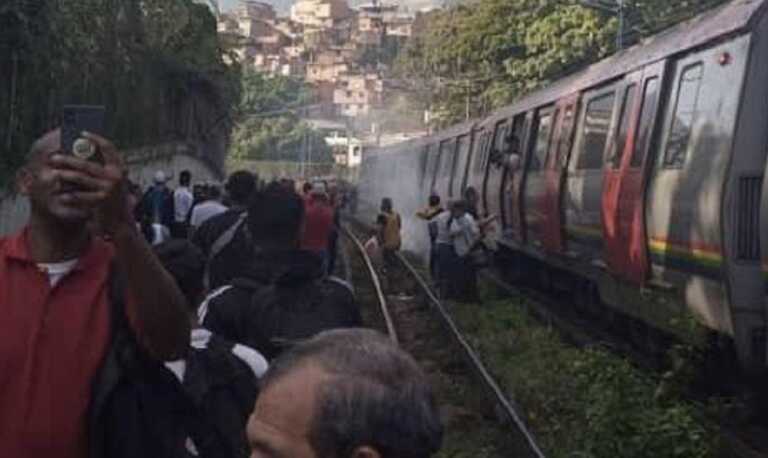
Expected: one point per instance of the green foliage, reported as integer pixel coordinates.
(278, 138)
(585, 403)
(155, 64)
(489, 52)
(269, 128)
(262, 93)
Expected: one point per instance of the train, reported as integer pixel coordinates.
(639, 179)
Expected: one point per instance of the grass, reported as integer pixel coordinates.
(582, 402)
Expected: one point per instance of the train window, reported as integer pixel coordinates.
(447, 154)
(461, 162)
(431, 166)
(543, 126)
(626, 117)
(647, 114)
(684, 115)
(597, 124)
(482, 150)
(423, 164)
(564, 142)
(500, 140)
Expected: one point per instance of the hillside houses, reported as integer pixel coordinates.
(336, 49)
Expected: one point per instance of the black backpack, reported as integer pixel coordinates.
(139, 409)
(223, 389)
(277, 316)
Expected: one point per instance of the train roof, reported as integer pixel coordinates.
(729, 19)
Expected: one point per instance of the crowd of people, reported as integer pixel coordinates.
(192, 322)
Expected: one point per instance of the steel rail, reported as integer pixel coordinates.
(501, 398)
(391, 330)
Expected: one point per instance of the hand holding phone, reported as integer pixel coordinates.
(77, 119)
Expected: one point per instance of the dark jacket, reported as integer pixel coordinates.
(283, 297)
(232, 259)
(156, 206)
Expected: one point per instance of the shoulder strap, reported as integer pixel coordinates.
(221, 243)
(111, 372)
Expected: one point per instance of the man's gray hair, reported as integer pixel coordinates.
(377, 396)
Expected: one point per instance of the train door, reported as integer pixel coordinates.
(535, 184)
(495, 170)
(583, 199)
(622, 142)
(627, 175)
(511, 208)
(554, 175)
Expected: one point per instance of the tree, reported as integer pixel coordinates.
(155, 64)
(482, 54)
(268, 125)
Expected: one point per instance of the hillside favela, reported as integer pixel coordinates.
(342, 58)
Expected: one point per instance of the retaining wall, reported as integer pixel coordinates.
(142, 165)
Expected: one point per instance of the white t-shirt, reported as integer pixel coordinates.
(160, 234)
(465, 234)
(205, 211)
(182, 203)
(199, 340)
(441, 222)
(57, 270)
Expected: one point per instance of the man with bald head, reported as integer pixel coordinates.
(55, 290)
(347, 393)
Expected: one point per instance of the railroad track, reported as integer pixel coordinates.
(395, 311)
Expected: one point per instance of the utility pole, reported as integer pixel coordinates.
(469, 101)
(620, 36)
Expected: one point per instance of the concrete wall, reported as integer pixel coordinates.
(142, 164)
(14, 211)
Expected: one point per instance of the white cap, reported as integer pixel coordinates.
(318, 188)
(160, 177)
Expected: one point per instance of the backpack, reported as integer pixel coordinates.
(223, 389)
(281, 315)
(222, 242)
(139, 409)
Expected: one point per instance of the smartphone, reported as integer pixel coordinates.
(75, 120)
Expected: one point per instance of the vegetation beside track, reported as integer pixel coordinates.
(583, 402)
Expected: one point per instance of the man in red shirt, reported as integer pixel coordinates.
(318, 224)
(54, 282)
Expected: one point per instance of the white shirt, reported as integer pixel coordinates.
(182, 203)
(443, 235)
(465, 234)
(160, 234)
(205, 211)
(57, 270)
(199, 340)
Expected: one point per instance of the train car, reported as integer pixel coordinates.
(641, 178)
